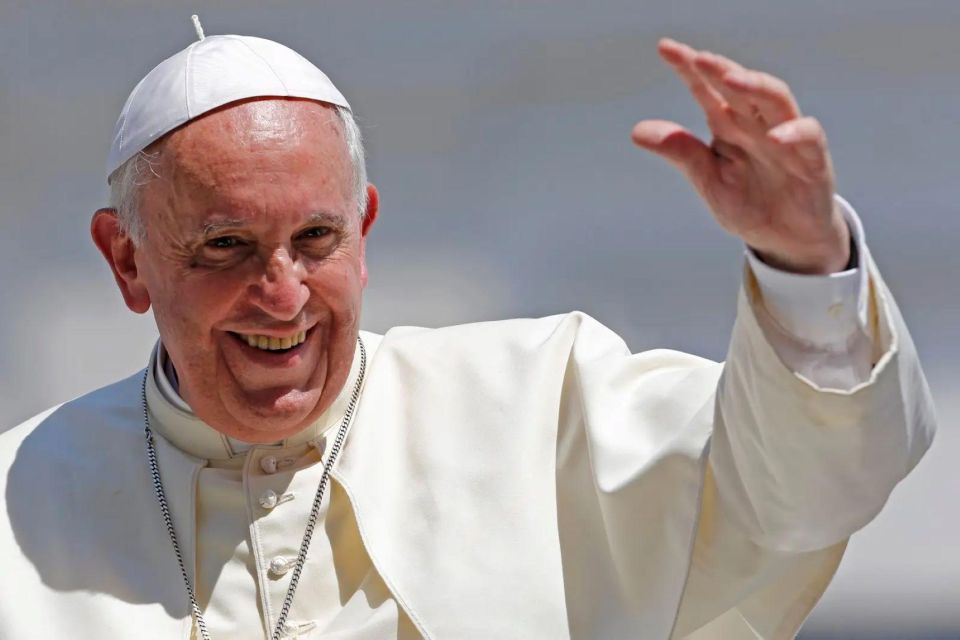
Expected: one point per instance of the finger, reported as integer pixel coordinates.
(802, 143)
(771, 95)
(680, 57)
(713, 68)
(674, 51)
(678, 146)
(805, 134)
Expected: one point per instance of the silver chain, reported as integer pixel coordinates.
(311, 521)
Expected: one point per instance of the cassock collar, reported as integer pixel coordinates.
(171, 417)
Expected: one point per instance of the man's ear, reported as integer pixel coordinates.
(120, 253)
(373, 208)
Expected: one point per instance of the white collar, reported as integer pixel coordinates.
(172, 418)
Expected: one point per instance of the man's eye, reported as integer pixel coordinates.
(316, 232)
(226, 242)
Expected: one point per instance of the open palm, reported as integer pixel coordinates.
(767, 174)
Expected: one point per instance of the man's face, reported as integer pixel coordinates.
(254, 238)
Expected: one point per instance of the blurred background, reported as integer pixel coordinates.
(498, 136)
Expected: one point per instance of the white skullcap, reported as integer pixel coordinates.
(210, 73)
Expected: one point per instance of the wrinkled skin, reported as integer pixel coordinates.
(251, 228)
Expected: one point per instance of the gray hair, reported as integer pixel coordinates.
(129, 178)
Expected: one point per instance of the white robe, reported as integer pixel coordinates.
(252, 507)
(520, 479)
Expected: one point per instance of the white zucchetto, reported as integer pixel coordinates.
(210, 73)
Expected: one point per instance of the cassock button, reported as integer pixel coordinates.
(296, 630)
(280, 565)
(268, 464)
(319, 443)
(269, 499)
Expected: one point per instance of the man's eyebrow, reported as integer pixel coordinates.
(325, 217)
(315, 218)
(212, 228)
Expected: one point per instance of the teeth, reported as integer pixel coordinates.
(268, 343)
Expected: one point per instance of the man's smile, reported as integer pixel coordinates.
(272, 343)
(276, 352)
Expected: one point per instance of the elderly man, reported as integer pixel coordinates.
(275, 472)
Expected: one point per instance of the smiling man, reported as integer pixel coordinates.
(275, 472)
(252, 260)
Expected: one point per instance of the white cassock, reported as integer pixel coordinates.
(522, 479)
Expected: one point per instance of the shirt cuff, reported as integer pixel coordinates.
(823, 311)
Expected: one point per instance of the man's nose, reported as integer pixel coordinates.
(282, 291)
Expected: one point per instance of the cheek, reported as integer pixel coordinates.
(191, 307)
(338, 288)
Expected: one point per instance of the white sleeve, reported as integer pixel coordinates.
(821, 409)
(817, 325)
(801, 464)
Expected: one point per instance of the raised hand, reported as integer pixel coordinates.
(767, 174)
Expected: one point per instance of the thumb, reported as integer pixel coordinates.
(677, 145)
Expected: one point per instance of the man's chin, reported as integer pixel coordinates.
(269, 415)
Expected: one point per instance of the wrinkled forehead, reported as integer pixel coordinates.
(266, 159)
(264, 135)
